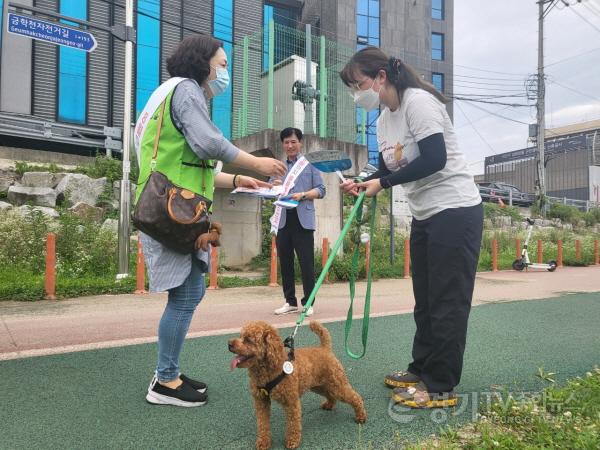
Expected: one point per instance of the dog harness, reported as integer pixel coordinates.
(288, 368)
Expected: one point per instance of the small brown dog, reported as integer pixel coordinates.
(260, 349)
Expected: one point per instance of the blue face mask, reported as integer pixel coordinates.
(219, 84)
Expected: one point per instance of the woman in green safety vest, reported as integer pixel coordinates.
(189, 147)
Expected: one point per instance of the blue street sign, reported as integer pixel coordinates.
(53, 32)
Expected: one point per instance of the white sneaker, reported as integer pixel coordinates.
(309, 312)
(286, 309)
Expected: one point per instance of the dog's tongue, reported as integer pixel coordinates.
(235, 361)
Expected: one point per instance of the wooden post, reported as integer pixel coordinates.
(214, 267)
(596, 256)
(540, 252)
(578, 250)
(273, 280)
(406, 258)
(140, 272)
(494, 255)
(518, 247)
(559, 256)
(50, 279)
(325, 256)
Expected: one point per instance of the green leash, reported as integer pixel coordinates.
(353, 274)
(356, 212)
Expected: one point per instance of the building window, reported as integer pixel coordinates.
(437, 79)
(437, 9)
(367, 23)
(283, 47)
(1, 19)
(223, 30)
(72, 70)
(367, 34)
(148, 52)
(437, 46)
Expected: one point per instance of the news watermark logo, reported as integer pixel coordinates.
(516, 407)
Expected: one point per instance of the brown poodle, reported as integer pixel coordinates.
(260, 349)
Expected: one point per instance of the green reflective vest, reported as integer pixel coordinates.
(175, 158)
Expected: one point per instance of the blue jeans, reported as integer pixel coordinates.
(175, 322)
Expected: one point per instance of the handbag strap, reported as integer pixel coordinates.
(157, 137)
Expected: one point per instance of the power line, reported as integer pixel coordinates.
(475, 129)
(588, 96)
(585, 19)
(499, 115)
(572, 57)
(514, 105)
(490, 89)
(491, 71)
(513, 83)
(518, 78)
(481, 117)
(593, 11)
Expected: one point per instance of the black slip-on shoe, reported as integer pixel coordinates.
(198, 385)
(184, 395)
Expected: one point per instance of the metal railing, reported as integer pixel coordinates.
(525, 199)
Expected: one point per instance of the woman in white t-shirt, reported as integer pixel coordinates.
(418, 149)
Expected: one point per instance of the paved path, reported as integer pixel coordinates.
(48, 327)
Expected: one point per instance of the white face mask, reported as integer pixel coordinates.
(368, 100)
(219, 84)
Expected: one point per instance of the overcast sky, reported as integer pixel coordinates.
(500, 37)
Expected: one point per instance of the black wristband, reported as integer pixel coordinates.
(234, 183)
(385, 183)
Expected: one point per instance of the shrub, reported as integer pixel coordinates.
(568, 214)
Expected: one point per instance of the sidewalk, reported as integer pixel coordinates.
(48, 327)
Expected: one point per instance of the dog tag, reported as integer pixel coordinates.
(288, 368)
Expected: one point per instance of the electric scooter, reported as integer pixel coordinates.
(523, 262)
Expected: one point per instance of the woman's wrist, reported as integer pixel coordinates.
(235, 181)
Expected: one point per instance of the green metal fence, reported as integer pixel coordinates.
(266, 66)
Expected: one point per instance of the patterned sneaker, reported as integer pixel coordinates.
(184, 395)
(417, 397)
(309, 312)
(198, 385)
(286, 309)
(401, 379)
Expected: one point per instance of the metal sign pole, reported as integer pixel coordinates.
(124, 206)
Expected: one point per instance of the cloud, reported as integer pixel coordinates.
(497, 43)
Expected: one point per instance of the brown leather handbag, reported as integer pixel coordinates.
(172, 215)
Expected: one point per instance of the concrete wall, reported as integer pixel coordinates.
(42, 156)
(15, 71)
(241, 215)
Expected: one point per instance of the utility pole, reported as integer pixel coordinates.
(124, 205)
(541, 110)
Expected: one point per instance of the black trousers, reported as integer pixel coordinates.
(293, 237)
(444, 253)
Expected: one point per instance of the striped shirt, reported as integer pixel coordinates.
(168, 269)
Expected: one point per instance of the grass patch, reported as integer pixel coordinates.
(558, 418)
(26, 286)
(232, 282)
